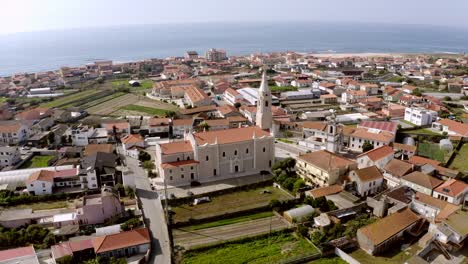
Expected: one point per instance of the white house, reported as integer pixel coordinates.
(452, 191)
(9, 156)
(428, 206)
(374, 136)
(378, 157)
(132, 144)
(232, 96)
(368, 180)
(453, 229)
(421, 182)
(40, 183)
(180, 126)
(420, 116)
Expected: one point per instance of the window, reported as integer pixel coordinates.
(269, 163)
(264, 149)
(235, 152)
(224, 154)
(170, 171)
(188, 158)
(214, 172)
(170, 178)
(94, 185)
(247, 151)
(207, 158)
(181, 169)
(266, 103)
(43, 185)
(32, 185)
(182, 176)
(178, 159)
(192, 176)
(191, 167)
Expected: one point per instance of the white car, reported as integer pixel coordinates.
(201, 200)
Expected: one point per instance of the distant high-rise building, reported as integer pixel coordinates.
(215, 55)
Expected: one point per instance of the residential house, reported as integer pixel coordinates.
(232, 96)
(394, 110)
(374, 136)
(196, 97)
(452, 232)
(394, 170)
(95, 148)
(375, 157)
(98, 169)
(99, 208)
(9, 156)
(124, 244)
(84, 135)
(352, 96)
(453, 128)
(40, 183)
(323, 168)
(421, 182)
(385, 233)
(13, 132)
(367, 181)
(26, 255)
(452, 191)
(48, 182)
(157, 127)
(431, 208)
(181, 126)
(132, 144)
(78, 250)
(121, 127)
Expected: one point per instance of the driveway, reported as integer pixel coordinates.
(153, 213)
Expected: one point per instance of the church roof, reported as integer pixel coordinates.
(229, 135)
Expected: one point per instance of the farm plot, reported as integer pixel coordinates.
(102, 100)
(71, 98)
(110, 106)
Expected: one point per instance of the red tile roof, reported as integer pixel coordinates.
(10, 254)
(381, 125)
(324, 191)
(315, 125)
(121, 240)
(43, 175)
(457, 127)
(382, 136)
(176, 147)
(133, 138)
(422, 179)
(178, 163)
(230, 135)
(419, 161)
(159, 122)
(452, 187)
(378, 153)
(371, 173)
(326, 160)
(67, 248)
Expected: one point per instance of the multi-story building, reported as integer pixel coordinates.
(376, 157)
(368, 180)
(374, 136)
(323, 168)
(215, 55)
(196, 97)
(421, 182)
(452, 191)
(232, 96)
(420, 116)
(9, 156)
(84, 135)
(13, 132)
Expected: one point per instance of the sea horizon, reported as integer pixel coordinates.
(49, 50)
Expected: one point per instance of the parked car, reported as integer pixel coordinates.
(26, 147)
(201, 200)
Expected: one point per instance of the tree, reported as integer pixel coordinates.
(237, 105)
(367, 146)
(204, 126)
(144, 156)
(447, 98)
(65, 260)
(129, 192)
(148, 165)
(51, 138)
(417, 92)
(170, 114)
(298, 184)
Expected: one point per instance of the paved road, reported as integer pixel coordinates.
(442, 95)
(154, 214)
(188, 239)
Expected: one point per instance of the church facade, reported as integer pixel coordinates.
(222, 154)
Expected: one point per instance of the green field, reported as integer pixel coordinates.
(37, 162)
(432, 151)
(333, 260)
(102, 100)
(230, 221)
(70, 98)
(263, 250)
(394, 256)
(145, 85)
(420, 131)
(279, 89)
(461, 160)
(145, 109)
(228, 203)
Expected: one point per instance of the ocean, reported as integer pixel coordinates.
(49, 50)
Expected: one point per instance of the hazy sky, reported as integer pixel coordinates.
(33, 15)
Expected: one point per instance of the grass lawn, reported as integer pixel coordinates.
(263, 250)
(42, 205)
(432, 151)
(145, 85)
(3, 99)
(102, 100)
(230, 221)
(37, 162)
(396, 256)
(231, 202)
(333, 260)
(145, 109)
(70, 98)
(279, 89)
(284, 140)
(461, 160)
(407, 122)
(421, 131)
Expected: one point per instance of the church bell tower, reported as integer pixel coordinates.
(264, 118)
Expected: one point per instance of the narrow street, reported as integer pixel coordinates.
(153, 213)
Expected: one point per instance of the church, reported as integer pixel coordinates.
(215, 155)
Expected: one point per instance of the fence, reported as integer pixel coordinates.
(340, 253)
